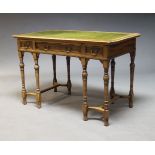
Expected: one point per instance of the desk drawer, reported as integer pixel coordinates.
(93, 51)
(69, 49)
(25, 45)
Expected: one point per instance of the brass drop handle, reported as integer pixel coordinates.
(27, 45)
(46, 47)
(94, 51)
(68, 49)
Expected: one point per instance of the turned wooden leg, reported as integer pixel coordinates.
(132, 68)
(69, 84)
(112, 90)
(106, 93)
(84, 63)
(54, 72)
(24, 94)
(36, 67)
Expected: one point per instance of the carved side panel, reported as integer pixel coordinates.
(122, 48)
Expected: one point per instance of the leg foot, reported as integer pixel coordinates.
(130, 100)
(24, 96)
(38, 106)
(55, 90)
(24, 102)
(85, 112)
(38, 99)
(106, 118)
(69, 85)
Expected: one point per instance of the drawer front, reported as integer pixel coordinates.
(25, 45)
(68, 49)
(57, 47)
(94, 51)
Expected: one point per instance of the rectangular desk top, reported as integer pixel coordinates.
(76, 35)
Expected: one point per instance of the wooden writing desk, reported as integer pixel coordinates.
(102, 46)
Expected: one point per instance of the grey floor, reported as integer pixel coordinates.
(60, 117)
